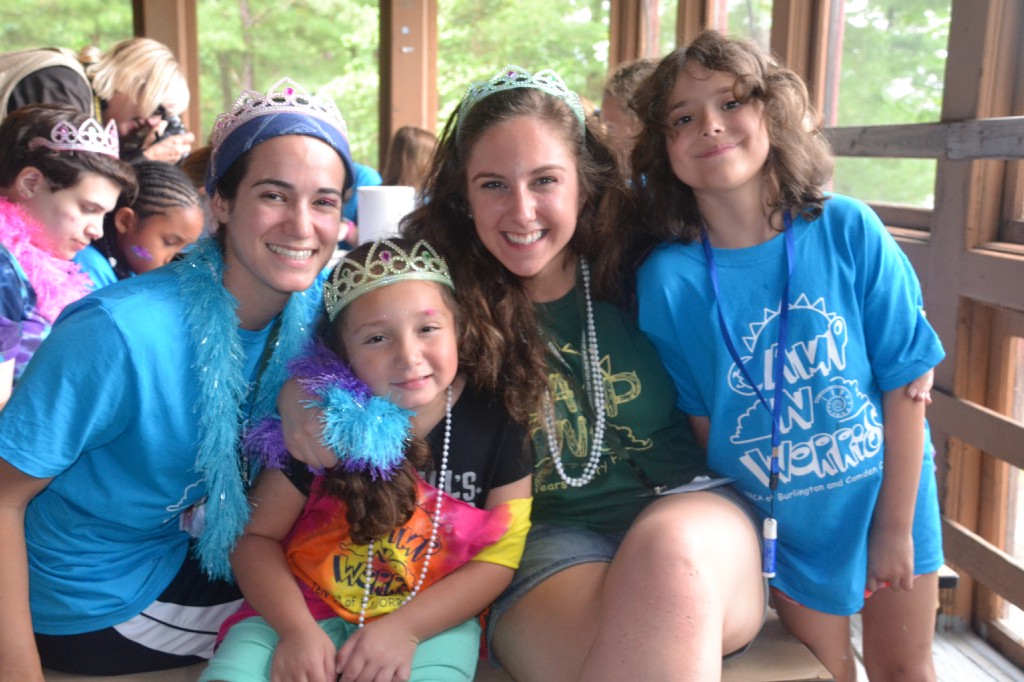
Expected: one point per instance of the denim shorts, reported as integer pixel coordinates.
(552, 548)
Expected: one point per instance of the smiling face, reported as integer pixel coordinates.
(71, 217)
(147, 243)
(523, 191)
(282, 226)
(717, 145)
(401, 341)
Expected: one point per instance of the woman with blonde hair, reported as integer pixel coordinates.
(138, 83)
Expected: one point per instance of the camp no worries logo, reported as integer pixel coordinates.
(830, 432)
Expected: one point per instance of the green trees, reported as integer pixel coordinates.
(893, 57)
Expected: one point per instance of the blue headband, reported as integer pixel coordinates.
(262, 128)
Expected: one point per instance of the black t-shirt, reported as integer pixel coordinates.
(53, 85)
(487, 450)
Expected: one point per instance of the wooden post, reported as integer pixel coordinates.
(408, 68)
(173, 23)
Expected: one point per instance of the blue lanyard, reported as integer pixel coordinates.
(770, 529)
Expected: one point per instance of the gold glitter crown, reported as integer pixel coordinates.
(513, 77)
(88, 137)
(386, 263)
(284, 96)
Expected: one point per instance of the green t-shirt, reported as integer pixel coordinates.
(644, 430)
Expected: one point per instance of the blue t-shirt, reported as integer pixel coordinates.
(363, 176)
(96, 265)
(856, 330)
(106, 410)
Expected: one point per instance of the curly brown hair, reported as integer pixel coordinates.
(508, 355)
(799, 161)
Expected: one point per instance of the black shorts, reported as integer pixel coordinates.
(178, 629)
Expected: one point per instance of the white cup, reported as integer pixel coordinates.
(380, 208)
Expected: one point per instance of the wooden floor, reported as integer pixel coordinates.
(959, 657)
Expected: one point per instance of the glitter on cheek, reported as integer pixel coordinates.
(141, 252)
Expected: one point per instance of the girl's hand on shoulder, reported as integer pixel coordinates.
(381, 650)
(301, 426)
(890, 559)
(305, 655)
(920, 389)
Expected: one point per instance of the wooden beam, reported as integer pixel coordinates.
(800, 30)
(993, 277)
(408, 68)
(997, 570)
(988, 138)
(173, 23)
(995, 434)
(691, 17)
(633, 31)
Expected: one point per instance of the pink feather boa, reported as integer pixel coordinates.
(57, 282)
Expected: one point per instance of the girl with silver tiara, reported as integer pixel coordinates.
(121, 483)
(59, 175)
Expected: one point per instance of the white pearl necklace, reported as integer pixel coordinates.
(594, 385)
(435, 522)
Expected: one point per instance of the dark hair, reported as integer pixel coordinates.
(60, 168)
(799, 158)
(162, 187)
(376, 506)
(499, 323)
(626, 78)
(409, 157)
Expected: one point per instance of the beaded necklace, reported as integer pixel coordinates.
(594, 388)
(435, 521)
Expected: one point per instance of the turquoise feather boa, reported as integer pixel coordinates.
(212, 324)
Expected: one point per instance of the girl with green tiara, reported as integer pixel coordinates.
(378, 568)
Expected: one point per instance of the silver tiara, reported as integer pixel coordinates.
(88, 137)
(284, 96)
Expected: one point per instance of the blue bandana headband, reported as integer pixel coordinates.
(285, 109)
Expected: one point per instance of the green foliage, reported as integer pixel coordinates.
(478, 37)
(26, 24)
(892, 66)
(327, 46)
(894, 59)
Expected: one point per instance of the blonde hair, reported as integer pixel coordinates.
(145, 71)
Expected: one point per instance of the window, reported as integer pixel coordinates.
(89, 22)
(475, 39)
(892, 63)
(328, 46)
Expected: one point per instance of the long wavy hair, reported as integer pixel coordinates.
(508, 353)
(799, 160)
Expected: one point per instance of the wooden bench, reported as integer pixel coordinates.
(776, 656)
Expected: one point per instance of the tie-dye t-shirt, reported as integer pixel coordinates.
(321, 553)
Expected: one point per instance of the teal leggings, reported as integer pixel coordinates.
(246, 652)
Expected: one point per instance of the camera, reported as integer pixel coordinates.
(174, 124)
(133, 145)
